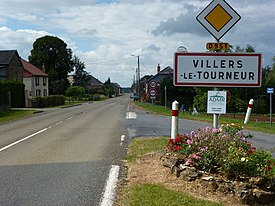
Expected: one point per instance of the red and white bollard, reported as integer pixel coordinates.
(175, 120)
(249, 108)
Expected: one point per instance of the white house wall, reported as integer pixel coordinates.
(31, 87)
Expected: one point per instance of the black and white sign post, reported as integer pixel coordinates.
(152, 90)
(270, 91)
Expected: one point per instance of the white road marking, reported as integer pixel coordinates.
(122, 138)
(109, 192)
(32, 135)
(21, 140)
(131, 115)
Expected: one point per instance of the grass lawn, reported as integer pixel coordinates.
(154, 194)
(158, 195)
(14, 114)
(255, 126)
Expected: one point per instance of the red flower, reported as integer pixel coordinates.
(252, 150)
(177, 148)
(178, 139)
(268, 168)
(272, 163)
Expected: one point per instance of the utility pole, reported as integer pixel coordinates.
(138, 76)
(138, 79)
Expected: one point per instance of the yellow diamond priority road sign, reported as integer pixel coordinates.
(218, 18)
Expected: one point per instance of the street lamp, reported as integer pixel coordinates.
(138, 76)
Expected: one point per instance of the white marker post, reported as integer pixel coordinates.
(175, 120)
(249, 108)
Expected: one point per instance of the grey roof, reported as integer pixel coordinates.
(6, 56)
(166, 72)
(94, 81)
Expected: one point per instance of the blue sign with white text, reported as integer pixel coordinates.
(270, 90)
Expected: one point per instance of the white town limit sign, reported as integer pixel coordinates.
(217, 69)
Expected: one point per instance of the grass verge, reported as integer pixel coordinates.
(14, 114)
(142, 146)
(153, 194)
(254, 126)
(158, 195)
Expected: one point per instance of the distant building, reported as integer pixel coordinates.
(167, 72)
(35, 80)
(94, 84)
(10, 65)
(117, 89)
(143, 86)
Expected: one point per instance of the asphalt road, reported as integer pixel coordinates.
(62, 156)
(65, 156)
(145, 124)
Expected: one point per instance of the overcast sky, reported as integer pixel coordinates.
(105, 33)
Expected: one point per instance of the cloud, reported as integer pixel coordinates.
(184, 23)
(110, 31)
(20, 40)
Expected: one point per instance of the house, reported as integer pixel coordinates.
(117, 89)
(10, 65)
(93, 84)
(143, 86)
(35, 80)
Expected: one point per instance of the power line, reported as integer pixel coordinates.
(111, 61)
(145, 67)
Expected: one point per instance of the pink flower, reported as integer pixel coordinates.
(192, 133)
(189, 141)
(204, 149)
(215, 130)
(207, 129)
(188, 162)
(194, 156)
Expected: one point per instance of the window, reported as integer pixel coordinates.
(45, 92)
(2, 73)
(44, 81)
(37, 81)
(38, 93)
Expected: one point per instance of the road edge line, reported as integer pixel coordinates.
(109, 191)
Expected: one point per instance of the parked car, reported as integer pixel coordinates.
(134, 96)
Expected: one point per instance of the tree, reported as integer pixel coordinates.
(108, 88)
(81, 77)
(184, 95)
(75, 92)
(270, 75)
(53, 53)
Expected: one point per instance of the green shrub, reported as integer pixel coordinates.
(17, 91)
(49, 101)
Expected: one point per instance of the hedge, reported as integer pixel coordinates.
(17, 91)
(49, 101)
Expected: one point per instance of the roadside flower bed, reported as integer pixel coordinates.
(226, 150)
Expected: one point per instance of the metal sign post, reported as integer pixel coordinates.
(270, 109)
(270, 91)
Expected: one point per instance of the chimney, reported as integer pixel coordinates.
(43, 68)
(158, 69)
